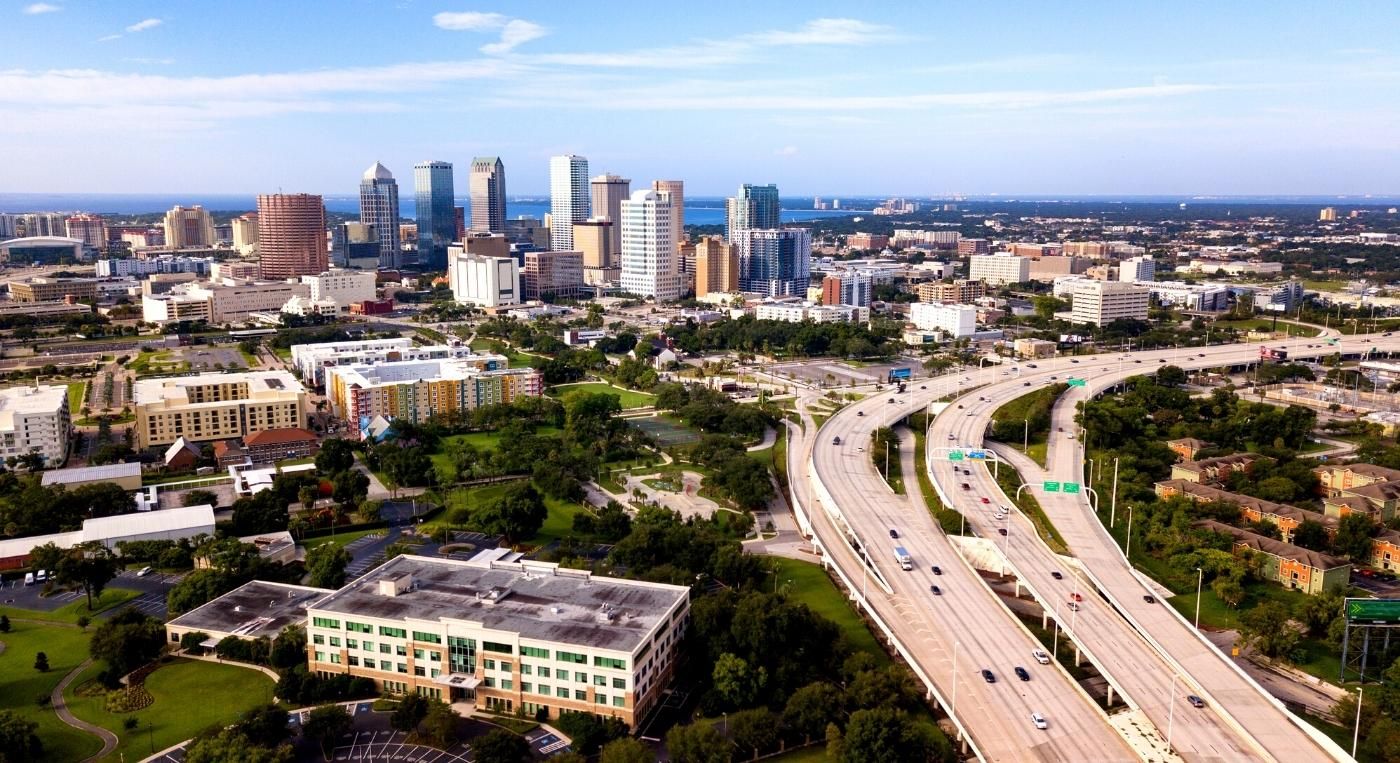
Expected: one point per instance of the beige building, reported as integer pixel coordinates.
(960, 292)
(229, 301)
(1034, 348)
(245, 233)
(343, 287)
(531, 637)
(716, 266)
(607, 193)
(35, 420)
(486, 244)
(189, 227)
(593, 238)
(999, 269)
(1103, 302)
(1050, 268)
(242, 269)
(43, 289)
(558, 274)
(673, 192)
(217, 406)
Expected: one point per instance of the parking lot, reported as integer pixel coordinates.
(151, 589)
(391, 746)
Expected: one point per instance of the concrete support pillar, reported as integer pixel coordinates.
(1110, 695)
(1076, 655)
(1018, 588)
(1044, 620)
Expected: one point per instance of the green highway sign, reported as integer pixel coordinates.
(1073, 382)
(1377, 611)
(1052, 487)
(955, 455)
(1070, 487)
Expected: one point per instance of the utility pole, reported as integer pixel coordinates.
(1026, 436)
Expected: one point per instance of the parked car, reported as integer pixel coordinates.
(860, 413)
(143, 572)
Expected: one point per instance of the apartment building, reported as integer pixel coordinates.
(963, 291)
(35, 420)
(846, 287)
(1103, 302)
(312, 360)
(1286, 518)
(999, 269)
(970, 246)
(1293, 567)
(1378, 499)
(796, 312)
(1215, 471)
(419, 389)
(1335, 478)
(217, 406)
(526, 636)
(957, 321)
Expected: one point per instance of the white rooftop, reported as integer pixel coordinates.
(172, 389)
(91, 473)
(42, 399)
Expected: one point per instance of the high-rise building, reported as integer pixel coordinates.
(1328, 214)
(568, 197)
(753, 207)
(957, 320)
(775, 262)
(674, 192)
(437, 223)
(459, 221)
(480, 280)
(607, 193)
(188, 227)
(552, 274)
(970, 246)
(648, 253)
(1103, 302)
(847, 287)
(379, 206)
(90, 229)
(716, 266)
(593, 238)
(1137, 270)
(960, 292)
(245, 233)
(488, 193)
(291, 235)
(999, 269)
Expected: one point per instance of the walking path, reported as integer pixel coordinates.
(109, 740)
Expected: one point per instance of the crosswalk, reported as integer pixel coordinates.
(391, 746)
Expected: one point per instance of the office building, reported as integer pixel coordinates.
(34, 224)
(488, 195)
(846, 287)
(999, 269)
(568, 199)
(47, 289)
(187, 227)
(957, 321)
(963, 291)
(355, 245)
(435, 212)
(529, 637)
(607, 194)
(1137, 270)
(416, 390)
(291, 235)
(775, 263)
(716, 266)
(1025, 249)
(218, 406)
(35, 420)
(227, 301)
(876, 241)
(486, 244)
(168, 263)
(1278, 298)
(379, 206)
(1048, 268)
(343, 287)
(916, 237)
(245, 233)
(593, 238)
(1199, 297)
(753, 207)
(480, 280)
(673, 192)
(648, 253)
(459, 219)
(90, 229)
(312, 360)
(552, 275)
(1328, 214)
(528, 231)
(1103, 302)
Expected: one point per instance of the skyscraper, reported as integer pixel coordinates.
(648, 253)
(568, 195)
(674, 192)
(608, 193)
(488, 192)
(775, 262)
(92, 229)
(437, 220)
(716, 266)
(187, 227)
(753, 207)
(379, 206)
(291, 235)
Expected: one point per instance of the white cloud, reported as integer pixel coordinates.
(786, 151)
(35, 9)
(824, 32)
(144, 24)
(140, 60)
(109, 37)
(514, 32)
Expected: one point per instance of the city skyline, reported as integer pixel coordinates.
(823, 100)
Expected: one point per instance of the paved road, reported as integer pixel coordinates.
(109, 740)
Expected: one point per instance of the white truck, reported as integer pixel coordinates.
(906, 562)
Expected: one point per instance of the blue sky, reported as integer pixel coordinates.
(822, 98)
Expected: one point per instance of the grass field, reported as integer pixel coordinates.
(1322, 660)
(516, 358)
(1324, 285)
(339, 539)
(482, 440)
(628, 398)
(809, 584)
(1265, 324)
(189, 697)
(69, 613)
(558, 523)
(667, 431)
(21, 684)
(77, 392)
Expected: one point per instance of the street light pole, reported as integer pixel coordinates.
(1200, 576)
(1355, 734)
(1128, 550)
(1026, 436)
(1113, 499)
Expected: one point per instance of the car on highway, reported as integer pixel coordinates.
(1139, 360)
(985, 499)
(1073, 607)
(1039, 721)
(936, 590)
(952, 437)
(1056, 574)
(836, 440)
(1021, 673)
(894, 533)
(1025, 384)
(1031, 365)
(1074, 360)
(1147, 597)
(988, 677)
(860, 413)
(1161, 360)
(891, 401)
(1040, 656)
(966, 486)
(1001, 531)
(1076, 597)
(937, 570)
(923, 386)
(1195, 701)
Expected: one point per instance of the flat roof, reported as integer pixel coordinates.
(91, 473)
(21, 400)
(541, 601)
(146, 522)
(254, 609)
(173, 389)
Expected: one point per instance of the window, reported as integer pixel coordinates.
(526, 669)
(579, 659)
(386, 666)
(352, 644)
(619, 701)
(335, 640)
(434, 657)
(506, 666)
(368, 646)
(402, 668)
(320, 656)
(609, 662)
(527, 687)
(385, 649)
(580, 678)
(489, 682)
(419, 670)
(321, 622)
(401, 650)
(318, 639)
(335, 658)
(428, 638)
(619, 683)
(561, 692)
(461, 654)
(544, 672)
(600, 699)
(492, 646)
(353, 661)
(434, 673)
(534, 651)
(358, 627)
(600, 680)
(417, 654)
(507, 684)
(385, 630)
(580, 695)
(543, 689)
(489, 664)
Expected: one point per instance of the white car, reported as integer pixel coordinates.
(1040, 656)
(1039, 721)
(143, 572)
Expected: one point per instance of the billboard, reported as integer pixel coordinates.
(905, 374)
(1373, 611)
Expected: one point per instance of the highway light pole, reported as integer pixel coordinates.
(1113, 499)
(1026, 436)
(1355, 734)
(1200, 577)
(1128, 546)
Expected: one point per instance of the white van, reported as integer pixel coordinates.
(42, 576)
(29, 578)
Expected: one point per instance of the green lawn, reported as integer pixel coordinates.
(20, 684)
(77, 392)
(629, 398)
(1322, 660)
(1267, 324)
(189, 697)
(949, 519)
(516, 358)
(558, 523)
(1324, 285)
(1031, 508)
(69, 613)
(812, 754)
(811, 586)
(249, 358)
(482, 440)
(339, 539)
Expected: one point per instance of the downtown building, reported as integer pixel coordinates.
(35, 420)
(487, 187)
(593, 238)
(312, 360)
(379, 206)
(648, 253)
(483, 280)
(1103, 302)
(963, 291)
(568, 199)
(716, 266)
(416, 390)
(846, 287)
(673, 193)
(774, 262)
(753, 207)
(607, 194)
(435, 212)
(552, 274)
(217, 406)
(291, 235)
(528, 637)
(999, 269)
(958, 321)
(189, 227)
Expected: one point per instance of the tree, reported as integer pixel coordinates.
(200, 498)
(500, 746)
(412, 709)
(1170, 376)
(440, 724)
(349, 486)
(697, 743)
(1229, 589)
(89, 566)
(754, 731)
(626, 750)
(126, 641)
(810, 708)
(41, 662)
(1353, 539)
(264, 725)
(1311, 535)
(326, 565)
(4, 623)
(306, 496)
(335, 456)
(325, 724)
(589, 732)
(19, 738)
(518, 514)
(1268, 628)
(1382, 742)
(885, 735)
(735, 681)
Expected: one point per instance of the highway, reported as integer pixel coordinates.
(966, 621)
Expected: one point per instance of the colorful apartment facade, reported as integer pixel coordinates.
(418, 390)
